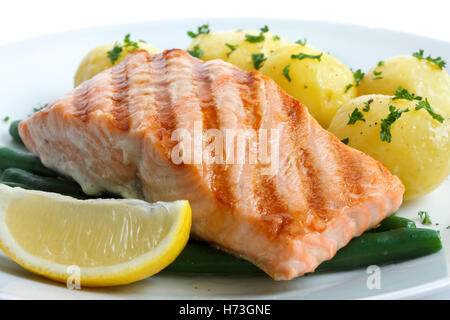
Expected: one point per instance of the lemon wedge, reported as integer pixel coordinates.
(108, 241)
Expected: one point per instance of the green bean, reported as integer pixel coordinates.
(28, 180)
(10, 158)
(202, 258)
(370, 248)
(384, 247)
(14, 131)
(394, 222)
(14, 177)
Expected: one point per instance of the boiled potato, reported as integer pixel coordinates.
(214, 46)
(419, 151)
(320, 85)
(97, 60)
(418, 76)
(242, 56)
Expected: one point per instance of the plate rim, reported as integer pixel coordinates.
(222, 19)
(418, 291)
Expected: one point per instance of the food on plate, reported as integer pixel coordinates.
(285, 216)
(404, 132)
(107, 55)
(317, 79)
(246, 49)
(123, 133)
(103, 242)
(425, 76)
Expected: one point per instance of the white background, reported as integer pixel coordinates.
(25, 19)
(21, 19)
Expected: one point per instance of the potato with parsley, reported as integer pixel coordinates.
(317, 79)
(107, 55)
(423, 75)
(251, 53)
(412, 144)
(243, 48)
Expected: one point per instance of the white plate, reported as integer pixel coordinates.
(40, 70)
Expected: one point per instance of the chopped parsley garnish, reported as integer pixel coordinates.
(437, 61)
(258, 60)
(347, 87)
(394, 114)
(425, 217)
(127, 43)
(286, 71)
(276, 38)
(377, 75)
(115, 53)
(426, 105)
(367, 105)
(196, 52)
(355, 116)
(358, 75)
(264, 29)
(37, 109)
(203, 29)
(402, 93)
(301, 42)
(302, 56)
(259, 38)
(255, 39)
(232, 48)
(380, 63)
(6, 119)
(345, 141)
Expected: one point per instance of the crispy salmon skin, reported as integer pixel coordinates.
(116, 132)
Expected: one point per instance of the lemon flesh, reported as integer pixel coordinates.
(112, 242)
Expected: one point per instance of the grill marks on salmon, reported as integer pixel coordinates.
(113, 133)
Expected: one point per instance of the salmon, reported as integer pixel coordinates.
(115, 132)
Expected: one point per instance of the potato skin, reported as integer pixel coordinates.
(97, 60)
(320, 85)
(418, 76)
(214, 46)
(419, 152)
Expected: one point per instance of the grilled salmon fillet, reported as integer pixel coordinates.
(115, 132)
